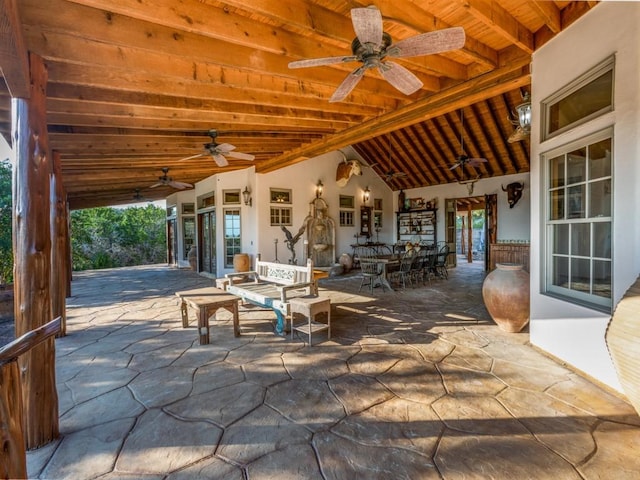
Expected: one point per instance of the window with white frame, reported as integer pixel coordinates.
(232, 243)
(578, 221)
(281, 216)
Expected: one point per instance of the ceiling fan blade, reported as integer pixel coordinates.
(224, 148)
(347, 85)
(455, 165)
(429, 43)
(317, 62)
(240, 156)
(179, 185)
(367, 23)
(400, 77)
(192, 157)
(159, 184)
(474, 162)
(220, 159)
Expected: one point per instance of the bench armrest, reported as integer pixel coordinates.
(242, 276)
(296, 286)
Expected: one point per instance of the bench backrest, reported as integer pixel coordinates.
(283, 273)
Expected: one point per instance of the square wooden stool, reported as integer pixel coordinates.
(205, 301)
(310, 307)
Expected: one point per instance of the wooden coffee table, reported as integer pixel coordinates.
(206, 301)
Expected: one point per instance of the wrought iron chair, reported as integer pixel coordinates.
(440, 266)
(371, 269)
(404, 271)
(417, 267)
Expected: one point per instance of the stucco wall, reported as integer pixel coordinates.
(570, 332)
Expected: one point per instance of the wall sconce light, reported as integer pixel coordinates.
(246, 196)
(319, 188)
(365, 195)
(524, 113)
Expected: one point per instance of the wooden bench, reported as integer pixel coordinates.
(272, 285)
(206, 301)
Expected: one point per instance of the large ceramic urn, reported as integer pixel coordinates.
(623, 341)
(506, 295)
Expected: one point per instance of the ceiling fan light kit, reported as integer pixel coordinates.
(372, 46)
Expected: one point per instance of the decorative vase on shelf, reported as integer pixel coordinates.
(401, 200)
(506, 295)
(623, 341)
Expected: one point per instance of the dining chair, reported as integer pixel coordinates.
(417, 267)
(371, 270)
(403, 273)
(440, 266)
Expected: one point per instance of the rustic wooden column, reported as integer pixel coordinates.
(14, 460)
(32, 257)
(58, 245)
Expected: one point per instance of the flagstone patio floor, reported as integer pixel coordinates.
(413, 384)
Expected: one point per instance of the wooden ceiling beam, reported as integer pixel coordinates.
(71, 92)
(496, 18)
(549, 13)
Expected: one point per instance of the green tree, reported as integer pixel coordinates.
(110, 237)
(6, 247)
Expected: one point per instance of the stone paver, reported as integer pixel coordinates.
(414, 384)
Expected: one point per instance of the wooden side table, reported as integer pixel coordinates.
(310, 307)
(206, 301)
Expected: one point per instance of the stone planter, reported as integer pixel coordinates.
(623, 342)
(192, 257)
(506, 295)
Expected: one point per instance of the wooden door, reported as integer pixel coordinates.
(207, 241)
(172, 242)
(490, 225)
(450, 230)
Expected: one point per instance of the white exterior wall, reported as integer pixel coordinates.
(571, 332)
(302, 179)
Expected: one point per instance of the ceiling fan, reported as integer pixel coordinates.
(464, 159)
(372, 45)
(170, 182)
(219, 151)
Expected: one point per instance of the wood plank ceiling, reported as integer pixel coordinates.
(134, 86)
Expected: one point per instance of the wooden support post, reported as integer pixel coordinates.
(32, 252)
(58, 247)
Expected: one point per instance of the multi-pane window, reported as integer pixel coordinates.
(280, 216)
(232, 243)
(579, 218)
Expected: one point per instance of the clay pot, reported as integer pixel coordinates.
(346, 261)
(623, 341)
(506, 295)
(241, 262)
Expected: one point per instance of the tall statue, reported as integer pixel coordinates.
(291, 242)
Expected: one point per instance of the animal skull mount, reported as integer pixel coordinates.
(345, 170)
(514, 193)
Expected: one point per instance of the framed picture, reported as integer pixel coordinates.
(347, 201)
(279, 195)
(377, 204)
(231, 197)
